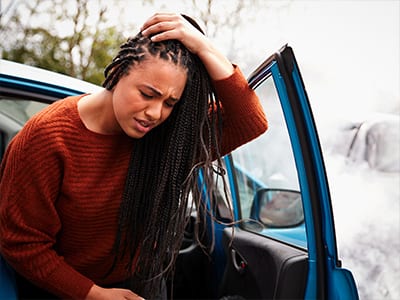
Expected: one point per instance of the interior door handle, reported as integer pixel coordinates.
(238, 261)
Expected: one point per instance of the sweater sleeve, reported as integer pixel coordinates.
(30, 179)
(243, 116)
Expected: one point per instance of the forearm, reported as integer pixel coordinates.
(217, 64)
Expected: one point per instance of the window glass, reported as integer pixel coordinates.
(13, 115)
(266, 175)
(20, 110)
(2, 144)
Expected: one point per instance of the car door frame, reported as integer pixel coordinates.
(326, 279)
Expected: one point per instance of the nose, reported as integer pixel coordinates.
(154, 110)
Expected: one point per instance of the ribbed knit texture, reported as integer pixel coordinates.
(61, 188)
(243, 115)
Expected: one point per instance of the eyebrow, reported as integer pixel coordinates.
(154, 90)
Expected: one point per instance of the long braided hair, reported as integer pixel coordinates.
(164, 166)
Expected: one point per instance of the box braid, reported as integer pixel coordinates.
(164, 166)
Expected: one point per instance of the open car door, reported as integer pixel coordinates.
(284, 244)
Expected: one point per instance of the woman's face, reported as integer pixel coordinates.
(145, 97)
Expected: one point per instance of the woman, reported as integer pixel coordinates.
(94, 189)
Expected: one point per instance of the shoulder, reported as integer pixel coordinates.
(61, 110)
(55, 117)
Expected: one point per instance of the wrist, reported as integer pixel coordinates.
(218, 66)
(94, 292)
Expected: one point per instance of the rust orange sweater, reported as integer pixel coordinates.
(61, 187)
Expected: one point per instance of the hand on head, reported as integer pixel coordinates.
(168, 26)
(171, 26)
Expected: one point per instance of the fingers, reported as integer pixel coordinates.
(163, 31)
(170, 26)
(133, 297)
(155, 21)
(165, 27)
(127, 294)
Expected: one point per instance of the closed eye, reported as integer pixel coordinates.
(169, 104)
(145, 95)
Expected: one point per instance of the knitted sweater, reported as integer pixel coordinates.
(61, 187)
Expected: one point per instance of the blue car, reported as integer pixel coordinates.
(280, 242)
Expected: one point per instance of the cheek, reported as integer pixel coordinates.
(125, 102)
(166, 113)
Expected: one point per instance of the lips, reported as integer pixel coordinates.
(144, 126)
(144, 123)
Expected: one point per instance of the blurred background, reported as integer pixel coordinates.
(349, 56)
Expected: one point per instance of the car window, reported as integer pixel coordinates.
(2, 144)
(267, 179)
(13, 115)
(20, 110)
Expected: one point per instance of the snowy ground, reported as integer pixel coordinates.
(366, 209)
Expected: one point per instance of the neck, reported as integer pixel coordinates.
(96, 112)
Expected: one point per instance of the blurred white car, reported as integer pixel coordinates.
(374, 140)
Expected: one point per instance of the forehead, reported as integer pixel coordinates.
(149, 60)
(159, 73)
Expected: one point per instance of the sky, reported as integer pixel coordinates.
(348, 51)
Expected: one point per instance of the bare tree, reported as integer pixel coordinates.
(222, 19)
(71, 37)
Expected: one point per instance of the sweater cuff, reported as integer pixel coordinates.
(221, 84)
(232, 86)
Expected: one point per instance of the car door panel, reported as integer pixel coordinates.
(261, 268)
